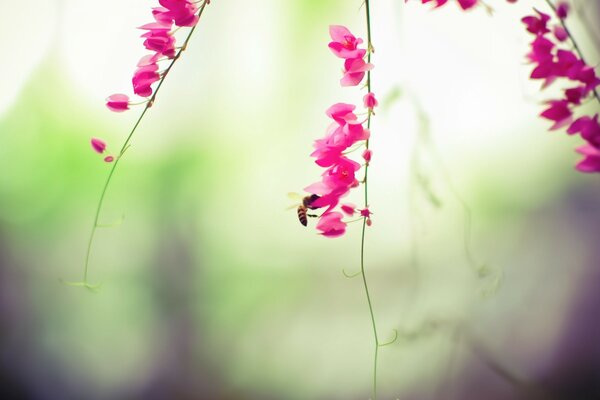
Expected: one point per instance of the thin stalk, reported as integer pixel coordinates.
(124, 148)
(364, 225)
(572, 39)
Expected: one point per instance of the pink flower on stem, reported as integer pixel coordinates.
(354, 71)
(181, 12)
(538, 25)
(160, 42)
(118, 102)
(370, 101)
(344, 44)
(341, 113)
(143, 78)
(331, 225)
(98, 145)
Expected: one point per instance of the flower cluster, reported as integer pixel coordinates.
(160, 40)
(345, 131)
(553, 61)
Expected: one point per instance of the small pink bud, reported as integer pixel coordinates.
(117, 102)
(367, 155)
(562, 9)
(369, 223)
(348, 209)
(370, 101)
(560, 33)
(98, 145)
(109, 159)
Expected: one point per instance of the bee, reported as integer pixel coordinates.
(305, 206)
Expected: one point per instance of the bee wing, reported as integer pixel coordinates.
(295, 196)
(292, 207)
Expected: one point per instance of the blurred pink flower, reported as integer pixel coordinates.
(591, 160)
(331, 225)
(538, 25)
(558, 112)
(117, 102)
(98, 145)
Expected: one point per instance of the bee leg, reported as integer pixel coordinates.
(312, 215)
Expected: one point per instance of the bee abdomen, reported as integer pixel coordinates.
(302, 215)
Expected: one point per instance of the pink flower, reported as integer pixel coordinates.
(370, 101)
(143, 78)
(354, 71)
(588, 128)
(537, 25)
(109, 159)
(341, 113)
(332, 199)
(587, 75)
(345, 44)
(558, 112)
(575, 95)
(331, 225)
(117, 102)
(98, 145)
(591, 160)
(342, 174)
(160, 41)
(181, 12)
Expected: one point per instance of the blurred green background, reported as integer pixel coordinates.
(211, 288)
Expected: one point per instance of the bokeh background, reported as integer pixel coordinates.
(483, 253)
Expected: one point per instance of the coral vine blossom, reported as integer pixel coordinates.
(344, 132)
(160, 40)
(554, 60)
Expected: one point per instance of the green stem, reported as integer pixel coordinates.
(124, 147)
(362, 239)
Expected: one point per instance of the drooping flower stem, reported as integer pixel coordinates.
(571, 38)
(85, 283)
(364, 224)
